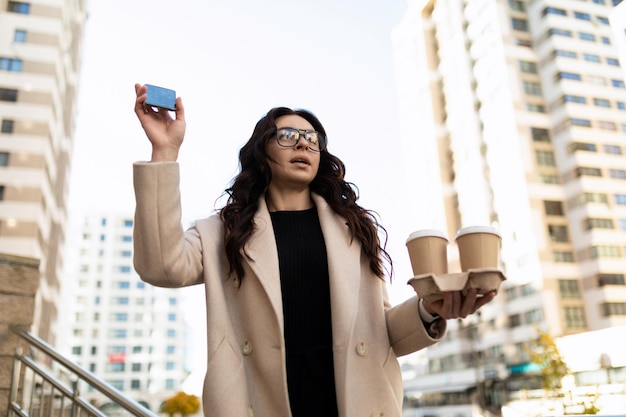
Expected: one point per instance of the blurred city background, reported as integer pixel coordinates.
(447, 113)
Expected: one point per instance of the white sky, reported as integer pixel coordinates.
(231, 61)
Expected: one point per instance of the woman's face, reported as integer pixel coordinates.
(294, 167)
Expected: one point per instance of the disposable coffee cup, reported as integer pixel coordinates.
(479, 247)
(428, 252)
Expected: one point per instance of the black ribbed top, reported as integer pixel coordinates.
(306, 309)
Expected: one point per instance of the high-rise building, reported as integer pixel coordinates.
(130, 334)
(513, 114)
(40, 57)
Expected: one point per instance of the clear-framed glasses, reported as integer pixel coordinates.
(288, 137)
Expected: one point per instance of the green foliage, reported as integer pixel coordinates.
(544, 352)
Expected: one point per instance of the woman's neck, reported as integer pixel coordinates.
(288, 200)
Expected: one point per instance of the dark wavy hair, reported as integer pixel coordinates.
(253, 181)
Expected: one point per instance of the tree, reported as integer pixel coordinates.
(181, 403)
(544, 352)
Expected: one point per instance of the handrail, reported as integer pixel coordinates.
(64, 392)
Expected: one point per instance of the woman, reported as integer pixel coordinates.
(298, 319)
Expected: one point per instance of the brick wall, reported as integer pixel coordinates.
(19, 281)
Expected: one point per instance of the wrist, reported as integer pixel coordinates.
(425, 314)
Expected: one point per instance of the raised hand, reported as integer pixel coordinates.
(164, 132)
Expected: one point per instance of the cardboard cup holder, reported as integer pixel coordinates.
(431, 287)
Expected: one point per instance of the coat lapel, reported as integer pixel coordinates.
(261, 247)
(344, 269)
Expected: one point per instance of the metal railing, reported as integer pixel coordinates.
(37, 392)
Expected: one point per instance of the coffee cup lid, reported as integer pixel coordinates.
(425, 233)
(476, 229)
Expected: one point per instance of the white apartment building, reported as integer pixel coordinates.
(130, 334)
(519, 109)
(40, 57)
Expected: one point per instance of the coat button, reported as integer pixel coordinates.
(246, 348)
(361, 349)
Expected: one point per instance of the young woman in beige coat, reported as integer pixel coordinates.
(298, 319)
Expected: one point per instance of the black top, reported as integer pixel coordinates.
(306, 310)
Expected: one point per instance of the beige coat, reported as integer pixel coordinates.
(246, 374)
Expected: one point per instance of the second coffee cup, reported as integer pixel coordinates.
(479, 247)
(428, 252)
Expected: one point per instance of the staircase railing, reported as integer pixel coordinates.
(46, 384)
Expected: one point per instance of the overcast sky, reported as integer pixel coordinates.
(231, 61)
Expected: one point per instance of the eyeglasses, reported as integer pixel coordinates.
(288, 137)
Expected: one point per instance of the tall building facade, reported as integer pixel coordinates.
(516, 110)
(128, 333)
(40, 57)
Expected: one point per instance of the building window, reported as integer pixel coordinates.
(596, 223)
(606, 40)
(610, 279)
(8, 94)
(124, 269)
(531, 88)
(549, 179)
(574, 317)
(582, 16)
(135, 384)
(535, 108)
(568, 98)
(605, 251)
(11, 64)
(515, 320)
(171, 333)
(558, 233)
(581, 146)
(591, 58)
(563, 256)
(563, 75)
(128, 223)
(621, 105)
(603, 124)
(18, 7)
(7, 126)
(545, 158)
(519, 24)
(517, 5)
(587, 36)
(601, 198)
(169, 384)
(19, 36)
(613, 61)
(77, 350)
(1, 192)
(533, 316)
(171, 316)
(620, 199)
(574, 121)
(560, 32)
(613, 309)
(588, 172)
(617, 83)
(567, 54)
(602, 102)
(539, 134)
(619, 174)
(528, 67)
(569, 288)
(553, 10)
(4, 159)
(170, 350)
(170, 366)
(553, 208)
(613, 149)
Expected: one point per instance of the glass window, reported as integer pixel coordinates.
(606, 40)
(582, 16)
(532, 88)
(170, 349)
(558, 233)
(545, 158)
(603, 124)
(569, 288)
(568, 98)
(613, 309)
(595, 223)
(591, 58)
(11, 64)
(4, 159)
(574, 317)
(540, 134)
(568, 76)
(528, 67)
(566, 54)
(605, 251)
(553, 208)
(560, 32)
(621, 105)
(135, 384)
(613, 61)
(563, 256)
(18, 7)
(586, 36)
(171, 333)
(619, 174)
(617, 83)
(8, 126)
(519, 24)
(19, 36)
(602, 102)
(536, 108)
(588, 172)
(610, 279)
(580, 122)
(602, 20)
(613, 149)
(553, 10)
(517, 5)
(581, 146)
(8, 94)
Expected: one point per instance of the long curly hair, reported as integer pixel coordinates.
(253, 181)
